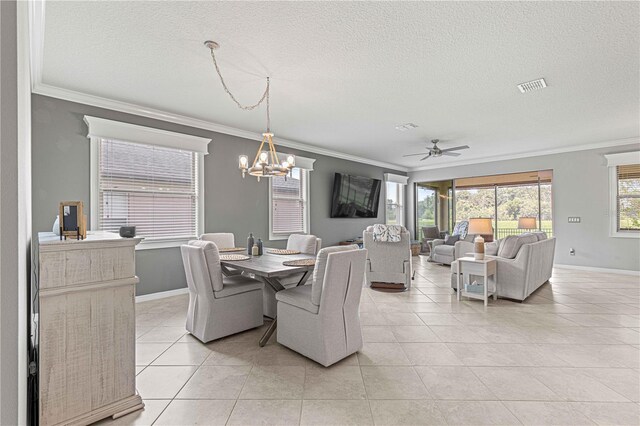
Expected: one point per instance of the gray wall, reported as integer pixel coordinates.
(60, 155)
(9, 201)
(580, 188)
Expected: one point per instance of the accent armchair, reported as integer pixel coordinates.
(445, 253)
(429, 233)
(218, 306)
(321, 320)
(386, 261)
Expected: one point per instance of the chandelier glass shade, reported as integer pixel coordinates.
(266, 162)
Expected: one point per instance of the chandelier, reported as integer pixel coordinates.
(266, 162)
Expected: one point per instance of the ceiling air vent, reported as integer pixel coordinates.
(530, 86)
(405, 127)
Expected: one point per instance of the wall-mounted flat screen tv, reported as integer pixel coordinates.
(355, 196)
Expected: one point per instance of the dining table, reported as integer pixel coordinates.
(269, 269)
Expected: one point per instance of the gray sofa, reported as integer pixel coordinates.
(520, 275)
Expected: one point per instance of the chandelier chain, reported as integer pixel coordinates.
(264, 97)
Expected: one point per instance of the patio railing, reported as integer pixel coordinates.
(501, 233)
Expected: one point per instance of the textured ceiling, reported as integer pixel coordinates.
(345, 74)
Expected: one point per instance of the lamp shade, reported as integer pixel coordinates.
(480, 225)
(527, 223)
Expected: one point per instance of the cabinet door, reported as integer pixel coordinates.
(87, 351)
(65, 361)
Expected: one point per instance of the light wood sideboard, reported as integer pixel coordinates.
(86, 328)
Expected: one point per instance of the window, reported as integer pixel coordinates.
(144, 178)
(624, 194)
(394, 211)
(152, 188)
(395, 203)
(289, 204)
(628, 197)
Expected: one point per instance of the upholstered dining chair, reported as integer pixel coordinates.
(307, 244)
(321, 320)
(218, 306)
(220, 239)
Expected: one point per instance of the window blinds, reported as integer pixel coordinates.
(288, 203)
(150, 187)
(628, 197)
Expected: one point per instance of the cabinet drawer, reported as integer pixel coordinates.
(72, 267)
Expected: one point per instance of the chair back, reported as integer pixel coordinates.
(220, 239)
(386, 256)
(341, 291)
(202, 267)
(430, 232)
(307, 244)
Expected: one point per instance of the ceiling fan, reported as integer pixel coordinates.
(437, 152)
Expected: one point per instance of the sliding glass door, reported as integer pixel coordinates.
(517, 203)
(426, 208)
(475, 202)
(513, 203)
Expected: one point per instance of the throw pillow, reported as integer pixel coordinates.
(541, 235)
(491, 249)
(450, 240)
(461, 229)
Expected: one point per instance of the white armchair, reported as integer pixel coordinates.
(388, 262)
(321, 320)
(218, 306)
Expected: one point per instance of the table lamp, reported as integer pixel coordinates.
(527, 223)
(480, 226)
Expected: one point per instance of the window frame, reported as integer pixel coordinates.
(113, 130)
(399, 206)
(613, 161)
(402, 181)
(306, 219)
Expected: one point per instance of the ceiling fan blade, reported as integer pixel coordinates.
(409, 155)
(450, 154)
(455, 148)
(424, 158)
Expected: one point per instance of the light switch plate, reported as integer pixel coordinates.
(574, 219)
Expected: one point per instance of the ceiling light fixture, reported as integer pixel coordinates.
(530, 86)
(265, 163)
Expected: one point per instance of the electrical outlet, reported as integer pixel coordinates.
(572, 251)
(574, 219)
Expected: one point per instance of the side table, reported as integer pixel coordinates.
(485, 268)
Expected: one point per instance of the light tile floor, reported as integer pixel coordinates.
(569, 355)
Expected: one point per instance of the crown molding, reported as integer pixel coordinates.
(96, 101)
(528, 154)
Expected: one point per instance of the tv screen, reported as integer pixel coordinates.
(355, 196)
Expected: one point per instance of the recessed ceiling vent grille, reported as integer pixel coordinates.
(405, 127)
(530, 86)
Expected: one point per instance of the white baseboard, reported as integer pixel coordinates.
(593, 269)
(161, 295)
